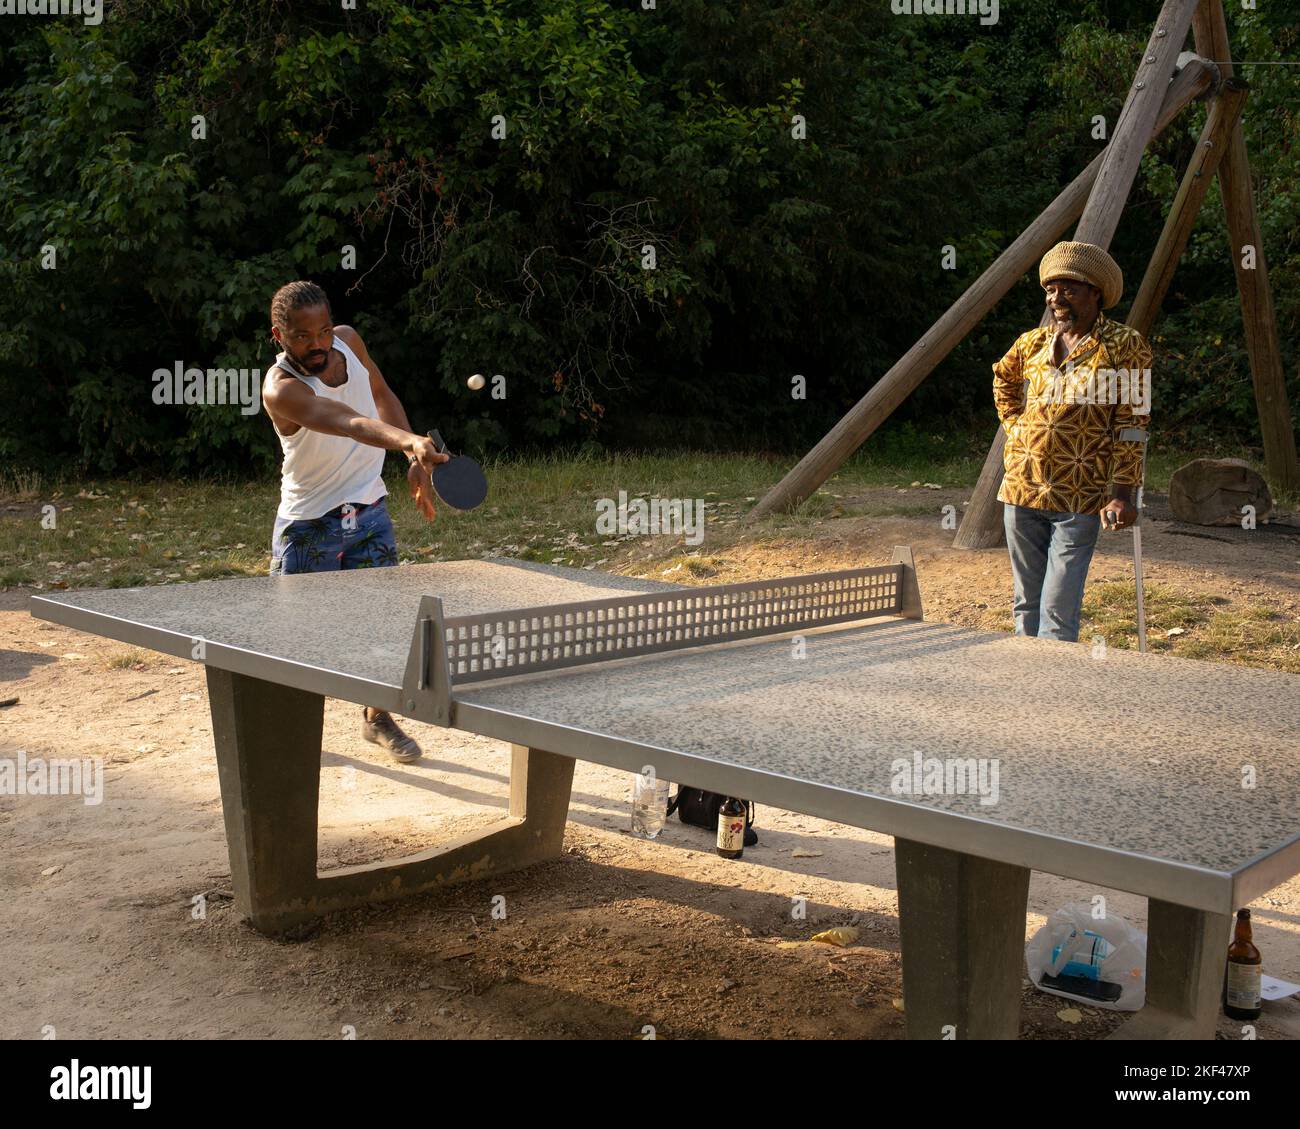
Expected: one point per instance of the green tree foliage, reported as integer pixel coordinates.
(501, 167)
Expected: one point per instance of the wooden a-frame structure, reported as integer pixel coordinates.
(1096, 199)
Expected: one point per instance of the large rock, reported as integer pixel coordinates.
(1213, 492)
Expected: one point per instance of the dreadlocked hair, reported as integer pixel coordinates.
(294, 296)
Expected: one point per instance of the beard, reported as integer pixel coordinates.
(312, 362)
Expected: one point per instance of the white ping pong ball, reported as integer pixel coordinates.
(476, 381)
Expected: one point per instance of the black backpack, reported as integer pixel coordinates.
(700, 809)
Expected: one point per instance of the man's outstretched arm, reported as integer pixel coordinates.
(387, 405)
(389, 409)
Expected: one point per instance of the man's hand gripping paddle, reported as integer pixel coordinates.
(459, 482)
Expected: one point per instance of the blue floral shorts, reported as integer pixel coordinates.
(352, 536)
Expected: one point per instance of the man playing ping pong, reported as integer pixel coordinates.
(335, 417)
(1065, 392)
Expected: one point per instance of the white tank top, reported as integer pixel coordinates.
(320, 472)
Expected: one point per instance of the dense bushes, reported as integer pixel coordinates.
(523, 255)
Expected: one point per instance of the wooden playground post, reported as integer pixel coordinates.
(1210, 151)
(1210, 31)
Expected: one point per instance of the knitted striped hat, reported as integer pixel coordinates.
(1085, 262)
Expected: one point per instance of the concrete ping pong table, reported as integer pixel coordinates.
(1125, 771)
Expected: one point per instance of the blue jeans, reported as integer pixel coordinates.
(1050, 553)
(362, 539)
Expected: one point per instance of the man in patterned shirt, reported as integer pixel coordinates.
(1064, 392)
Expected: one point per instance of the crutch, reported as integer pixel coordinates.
(1137, 435)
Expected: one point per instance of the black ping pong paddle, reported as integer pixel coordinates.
(460, 481)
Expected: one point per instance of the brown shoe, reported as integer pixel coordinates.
(383, 730)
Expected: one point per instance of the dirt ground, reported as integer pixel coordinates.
(100, 935)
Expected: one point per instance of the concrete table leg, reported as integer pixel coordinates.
(268, 742)
(962, 923)
(1187, 950)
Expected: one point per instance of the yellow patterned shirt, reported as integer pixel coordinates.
(1063, 448)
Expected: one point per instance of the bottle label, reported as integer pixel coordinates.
(1243, 985)
(731, 832)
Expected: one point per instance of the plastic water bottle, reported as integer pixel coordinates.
(649, 803)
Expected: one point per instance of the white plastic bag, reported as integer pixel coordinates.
(1093, 956)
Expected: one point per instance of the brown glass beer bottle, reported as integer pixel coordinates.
(1241, 998)
(731, 828)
